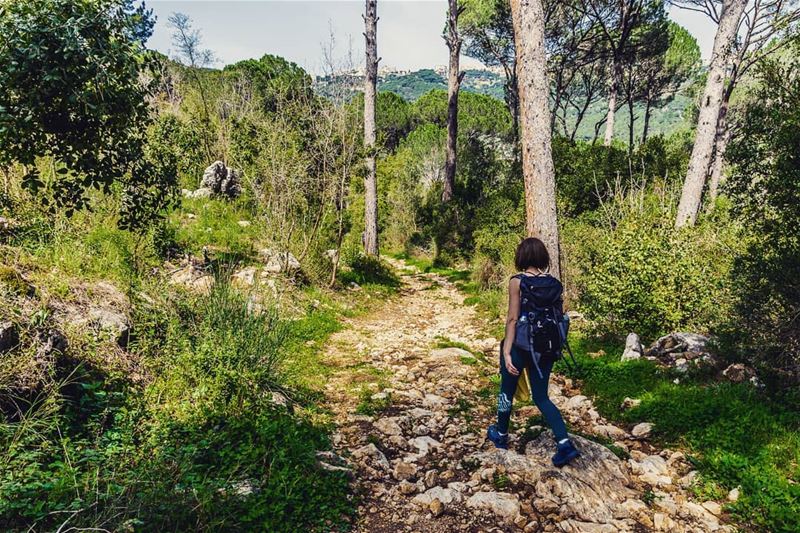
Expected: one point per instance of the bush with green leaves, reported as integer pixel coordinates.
(500, 228)
(634, 272)
(234, 356)
(72, 91)
(218, 444)
(588, 173)
(765, 188)
(274, 79)
(416, 218)
(368, 269)
(477, 113)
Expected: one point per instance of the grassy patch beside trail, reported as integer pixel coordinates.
(735, 435)
(200, 446)
(191, 438)
(454, 275)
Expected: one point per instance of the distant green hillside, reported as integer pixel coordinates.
(664, 120)
(412, 86)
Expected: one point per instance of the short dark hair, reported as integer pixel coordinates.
(532, 252)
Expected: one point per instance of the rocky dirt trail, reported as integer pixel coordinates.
(420, 461)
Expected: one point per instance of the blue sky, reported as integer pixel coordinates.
(409, 32)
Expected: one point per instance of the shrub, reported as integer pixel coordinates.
(234, 354)
(638, 274)
(368, 269)
(253, 472)
(587, 174)
(500, 227)
(765, 184)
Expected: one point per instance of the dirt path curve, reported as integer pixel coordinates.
(411, 406)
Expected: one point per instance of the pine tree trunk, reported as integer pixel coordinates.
(722, 135)
(512, 101)
(370, 82)
(534, 93)
(631, 124)
(454, 77)
(613, 94)
(646, 120)
(717, 167)
(703, 149)
(720, 145)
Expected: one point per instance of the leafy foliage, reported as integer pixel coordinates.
(476, 113)
(70, 89)
(369, 269)
(201, 447)
(639, 275)
(588, 173)
(273, 78)
(765, 187)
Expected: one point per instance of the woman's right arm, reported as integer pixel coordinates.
(511, 323)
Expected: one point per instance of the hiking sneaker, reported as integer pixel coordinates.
(565, 452)
(493, 434)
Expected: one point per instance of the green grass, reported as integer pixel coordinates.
(534, 426)
(197, 444)
(734, 434)
(491, 304)
(444, 342)
(474, 358)
(500, 481)
(365, 270)
(463, 408)
(216, 223)
(426, 265)
(305, 343)
(371, 407)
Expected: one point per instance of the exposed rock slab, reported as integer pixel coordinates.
(502, 504)
(633, 348)
(222, 180)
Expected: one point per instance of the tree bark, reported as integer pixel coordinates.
(454, 77)
(370, 82)
(613, 95)
(721, 134)
(631, 125)
(512, 100)
(537, 157)
(692, 192)
(721, 138)
(646, 120)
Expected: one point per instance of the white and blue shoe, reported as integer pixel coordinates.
(565, 452)
(499, 440)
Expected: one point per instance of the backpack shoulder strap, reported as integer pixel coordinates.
(522, 281)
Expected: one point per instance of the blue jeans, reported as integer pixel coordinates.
(508, 385)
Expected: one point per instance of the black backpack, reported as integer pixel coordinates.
(542, 326)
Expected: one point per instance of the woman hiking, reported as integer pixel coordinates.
(535, 307)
